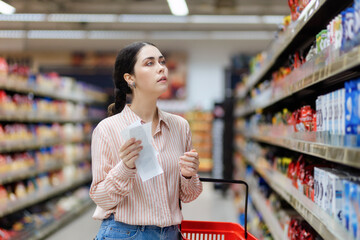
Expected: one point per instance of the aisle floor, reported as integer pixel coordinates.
(210, 206)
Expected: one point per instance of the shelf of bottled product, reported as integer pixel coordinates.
(325, 225)
(33, 171)
(52, 94)
(28, 118)
(307, 75)
(316, 144)
(32, 144)
(42, 195)
(268, 215)
(68, 217)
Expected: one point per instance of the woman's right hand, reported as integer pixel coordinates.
(129, 152)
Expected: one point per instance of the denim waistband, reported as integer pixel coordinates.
(111, 219)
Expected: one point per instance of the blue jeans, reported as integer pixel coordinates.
(113, 230)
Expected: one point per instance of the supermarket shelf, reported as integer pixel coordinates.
(37, 144)
(292, 33)
(325, 225)
(268, 215)
(5, 117)
(51, 94)
(43, 195)
(339, 154)
(326, 74)
(74, 213)
(24, 174)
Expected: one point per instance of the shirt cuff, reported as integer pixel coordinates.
(123, 172)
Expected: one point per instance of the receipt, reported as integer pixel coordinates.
(147, 164)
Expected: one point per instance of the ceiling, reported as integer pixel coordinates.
(129, 22)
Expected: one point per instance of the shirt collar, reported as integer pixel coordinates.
(133, 117)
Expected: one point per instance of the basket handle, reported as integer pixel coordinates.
(215, 180)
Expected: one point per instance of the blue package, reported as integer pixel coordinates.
(346, 204)
(352, 209)
(357, 22)
(351, 107)
(348, 29)
(348, 107)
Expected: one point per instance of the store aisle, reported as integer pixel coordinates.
(209, 206)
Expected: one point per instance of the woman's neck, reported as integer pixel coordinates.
(146, 110)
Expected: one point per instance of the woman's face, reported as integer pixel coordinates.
(150, 72)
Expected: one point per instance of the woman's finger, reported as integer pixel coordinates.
(189, 159)
(131, 147)
(127, 144)
(135, 152)
(192, 154)
(189, 164)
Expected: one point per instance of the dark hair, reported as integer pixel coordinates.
(125, 62)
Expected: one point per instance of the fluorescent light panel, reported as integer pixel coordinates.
(82, 18)
(220, 19)
(6, 8)
(55, 34)
(23, 17)
(116, 35)
(11, 34)
(178, 7)
(145, 18)
(151, 18)
(159, 35)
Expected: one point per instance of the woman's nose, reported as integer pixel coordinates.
(161, 68)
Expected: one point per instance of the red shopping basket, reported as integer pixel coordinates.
(202, 230)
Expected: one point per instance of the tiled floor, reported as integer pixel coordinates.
(210, 206)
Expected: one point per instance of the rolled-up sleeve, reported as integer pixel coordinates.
(111, 183)
(190, 188)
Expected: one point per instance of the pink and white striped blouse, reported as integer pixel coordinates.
(118, 189)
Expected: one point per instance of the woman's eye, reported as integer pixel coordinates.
(149, 63)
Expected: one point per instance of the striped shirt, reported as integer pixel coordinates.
(118, 189)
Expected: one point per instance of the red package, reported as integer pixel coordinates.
(306, 117)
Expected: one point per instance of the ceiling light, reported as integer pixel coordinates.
(273, 19)
(179, 35)
(23, 17)
(241, 35)
(54, 34)
(178, 7)
(6, 8)
(142, 18)
(116, 35)
(12, 34)
(82, 18)
(250, 19)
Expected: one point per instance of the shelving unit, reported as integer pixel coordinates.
(37, 144)
(10, 147)
(313, 16)
(46, 231)
(24, 174)
(52, 94)
(268, 215)
(39, 197)
(339, 154)
(302, 83)
(338, 70)
(326, 226)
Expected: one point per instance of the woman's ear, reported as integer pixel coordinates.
(128, 78)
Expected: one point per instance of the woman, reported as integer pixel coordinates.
(129, 207)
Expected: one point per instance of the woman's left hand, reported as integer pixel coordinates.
(189, 164)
